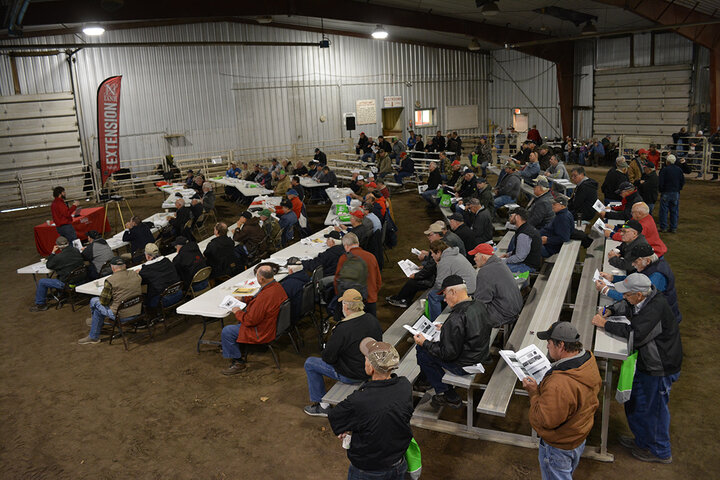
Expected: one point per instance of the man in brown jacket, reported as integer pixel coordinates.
(562, 407)
(249, 234)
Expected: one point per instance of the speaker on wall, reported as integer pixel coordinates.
(350, 123)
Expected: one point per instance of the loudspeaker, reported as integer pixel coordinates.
(350, 123)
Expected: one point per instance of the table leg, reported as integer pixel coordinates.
(607, 401)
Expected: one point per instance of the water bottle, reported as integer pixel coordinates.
(348, 199)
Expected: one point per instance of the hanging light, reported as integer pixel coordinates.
(473, 46)
(589, 28)
(490, 9)
(379, 33)
(93, 30)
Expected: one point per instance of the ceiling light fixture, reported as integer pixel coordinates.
(589, 29)
(490, 9)
(93, 30)
(379, 33)
(264, 20)
(473, 46)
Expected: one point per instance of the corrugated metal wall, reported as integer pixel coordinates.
(583, 84)
(222, 98)
(525, 82)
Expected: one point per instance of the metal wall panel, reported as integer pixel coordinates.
(222, 98)
(525, 82)
(642, 46)
(583, 85)
(613, 52)
(672, 49)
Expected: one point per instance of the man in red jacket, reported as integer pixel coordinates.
(374, 279)
(62, 215)
(257, 323)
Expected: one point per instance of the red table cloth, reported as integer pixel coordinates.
(89, 219)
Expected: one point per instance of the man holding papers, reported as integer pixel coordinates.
(464, 341)
(563, 405)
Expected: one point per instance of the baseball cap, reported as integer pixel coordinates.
(456, 216)
(382, 356)
(450, 281)
(360, 177)
(265, 212)
(484, 248)
(560, 331)
(481, 180)
(455, 162)
(434, 228)
(542, 181)
(358, 213)
(333, 234)
(636, 282)
(294, 261)
(351, 295)
(642, 250)
(467, 170)
(642, 150)
(246, 214)
(180, 241)
(286, 203)
(649, 165)
(152, 249)
(559, 199)
(510, 165)
(292, 191)
(117, 261)
(62, 242)
(94, 234)
(634, 224)
(625, 186)
(523, 213)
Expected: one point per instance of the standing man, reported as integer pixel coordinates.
(563, 406)
(376, 417)
(534, 135)
(122, 285)
(341, 359)
(648, 185)
(656, 336)
(62, 215)
(670, 182)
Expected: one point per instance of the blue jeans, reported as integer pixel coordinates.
(433, 367)
(397, 472)
(434, 304)
(99, 312)
(67, 231)
(400, 175)
(315, 369)
(669, 202)
(365, 157)
(169, 300)
(42, 288)
(519, 268)
(651, 207)
(648, 414)
(430, 196)
(230, 346)
(503, 200)
(556, 463)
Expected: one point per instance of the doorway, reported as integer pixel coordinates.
(392, 122)
(520, 123)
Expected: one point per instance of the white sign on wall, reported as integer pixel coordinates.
(366, 112)
(393, 101)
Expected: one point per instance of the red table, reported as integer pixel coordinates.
(89, 219)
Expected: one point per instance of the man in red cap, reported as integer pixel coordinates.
(359, 228)
(495, 286)
(454, 174)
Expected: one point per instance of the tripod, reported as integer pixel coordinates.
(115, 200)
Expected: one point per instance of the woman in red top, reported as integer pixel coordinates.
(62, 215)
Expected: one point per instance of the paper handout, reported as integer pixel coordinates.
(230, 302)
(427, 328)
(527, 362)
(408, 267)
(596, 277)
(599, 226)
(415, 251)
(599, 206)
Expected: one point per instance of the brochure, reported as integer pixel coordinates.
(527, 362)
(408, 267)
(427, 328)
(596, 277)
(230, 302)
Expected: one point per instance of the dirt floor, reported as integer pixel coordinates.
(161, 410)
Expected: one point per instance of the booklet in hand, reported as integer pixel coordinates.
(408, 267)
(599, 206)
(527, 362)
(596, 277)
(230, 302)
(427, 328)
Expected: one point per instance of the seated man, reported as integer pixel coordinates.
(297, 187)
(257, 323)
(182, 215)
(220, 252)
(630, 197)
(558, 231)
(584, 196)
(138, 234)
(122, 285)
(525, 249)
(359, 228)
(188, 261)
(341, 359)
(287, 221)
(508, 188)
(358, 186)
(439, 231)
(363, 276)
(540, 212)
(531, 168)
(622, 257)
(657, 269)
(433, 182)
(464, 341)
(97, 252)
(641, 213)
(479, 219)
(283, 184)
(328, 176)
(271, 227)
(467, 186)
(416, 283)
(407, 168)
(458, 227)
(449, 262)
(484, 194)
(495, 287)
(189, 179)
(300, 169)
(208, 197)
(64, 259)
(249, 235)
(158, 273)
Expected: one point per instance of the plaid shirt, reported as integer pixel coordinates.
(106, 294)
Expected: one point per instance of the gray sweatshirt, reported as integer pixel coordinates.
(452, 263)
(497, 289)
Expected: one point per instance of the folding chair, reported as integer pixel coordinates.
(284, 326)
(200, 276)
(165, 309)
(133, 322)
(76, 277)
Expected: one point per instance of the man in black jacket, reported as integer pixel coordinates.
(320, 156)
(341, 359)
(417, 282)
(383, 144)
(158, 273)
(525, 250)
(220, 252)
(613, 179)
(457, 225)
(584, 196)
(629, 196)
(182, 215)
(188, 261)
(63, 260)
(647, 186)
(138, 234)
(433, 182)
(479, 219)
(464, 341)
(656, 336)
(375, 420)
(468, 185)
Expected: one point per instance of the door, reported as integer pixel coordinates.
(392, 122)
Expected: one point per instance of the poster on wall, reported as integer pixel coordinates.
(108, 110)
(366, 112)
(392, 101)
